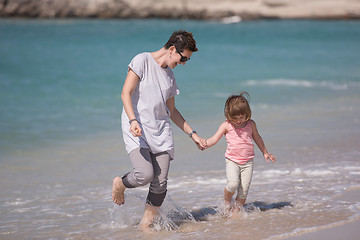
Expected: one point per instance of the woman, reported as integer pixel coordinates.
(148, 99)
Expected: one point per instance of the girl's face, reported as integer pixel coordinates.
(239, 119)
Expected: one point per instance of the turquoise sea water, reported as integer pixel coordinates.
(61, 143)
(62, 79)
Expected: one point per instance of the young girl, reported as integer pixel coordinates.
(240, 131)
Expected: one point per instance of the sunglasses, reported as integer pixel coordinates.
(182, 59)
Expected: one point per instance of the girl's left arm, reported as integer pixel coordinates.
(216, 137)
(260, 143)
(179, 120)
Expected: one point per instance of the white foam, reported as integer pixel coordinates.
(296, 171)
(176, 184)
(232, 19)
(18, 202)
(318, 172)
(281, 82)
(301, 83)
(274, 173)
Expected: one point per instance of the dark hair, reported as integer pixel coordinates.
(182, 40)
(237, 105)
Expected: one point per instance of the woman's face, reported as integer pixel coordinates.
(176, 57)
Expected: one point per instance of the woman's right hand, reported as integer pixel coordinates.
(135, 129)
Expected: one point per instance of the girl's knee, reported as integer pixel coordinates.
(243, 192)
(232, 186)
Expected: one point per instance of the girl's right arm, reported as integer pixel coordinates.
(129, 87)
(216, 137)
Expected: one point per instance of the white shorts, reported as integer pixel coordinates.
(239, 177)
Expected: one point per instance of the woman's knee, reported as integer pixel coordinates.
(144, 177)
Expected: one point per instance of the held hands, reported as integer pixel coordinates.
(200, 142)
(269, 156)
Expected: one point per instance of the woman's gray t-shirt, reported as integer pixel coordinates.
(156, 86)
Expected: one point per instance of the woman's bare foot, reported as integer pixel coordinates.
(118, 191)
(149, 214)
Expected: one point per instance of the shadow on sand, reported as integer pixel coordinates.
(203, 213)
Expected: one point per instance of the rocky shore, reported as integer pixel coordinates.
(232, 10)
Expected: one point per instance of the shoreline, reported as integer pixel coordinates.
(228, 11)
(346, 229)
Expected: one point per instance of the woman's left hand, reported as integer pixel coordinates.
(200, 142)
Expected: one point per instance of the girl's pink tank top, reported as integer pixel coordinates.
(240, 146)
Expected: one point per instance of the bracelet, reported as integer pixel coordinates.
(134, 119)
(190, 134)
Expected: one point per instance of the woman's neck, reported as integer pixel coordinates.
(160, 57)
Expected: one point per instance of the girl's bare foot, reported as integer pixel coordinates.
(240, 202)
(118, 191)
(145, 228)
(238, 207)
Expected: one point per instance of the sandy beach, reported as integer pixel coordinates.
(348, 231)
(345, 230)
(183, 9)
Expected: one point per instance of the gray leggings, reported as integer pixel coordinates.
(149, 168)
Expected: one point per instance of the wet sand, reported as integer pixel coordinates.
(347, 230)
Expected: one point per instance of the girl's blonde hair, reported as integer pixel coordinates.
(237, 105)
